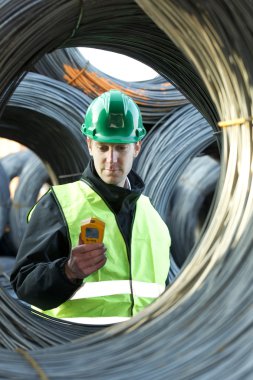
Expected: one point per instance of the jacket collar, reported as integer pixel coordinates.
(112, 194)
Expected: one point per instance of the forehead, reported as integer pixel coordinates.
(97, 143)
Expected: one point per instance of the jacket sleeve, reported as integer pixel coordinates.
(38, 276)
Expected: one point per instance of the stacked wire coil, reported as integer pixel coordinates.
(201, 327)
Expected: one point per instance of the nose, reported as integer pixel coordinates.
(112, 155)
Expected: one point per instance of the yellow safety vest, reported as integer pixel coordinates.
(129, 281)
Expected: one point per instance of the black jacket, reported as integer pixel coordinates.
(38, 276)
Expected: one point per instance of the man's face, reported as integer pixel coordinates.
(113, 162)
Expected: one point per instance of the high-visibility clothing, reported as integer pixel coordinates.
(132, 277)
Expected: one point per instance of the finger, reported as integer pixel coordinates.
(80, 239)
(93, 246)
(94, 268)
(91, 254)
(88, 248)
(88, 262)
(82, 267)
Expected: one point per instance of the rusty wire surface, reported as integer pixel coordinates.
(122, 29)
(202, 326)
(155, 97)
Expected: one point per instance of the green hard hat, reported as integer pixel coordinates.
(113, 117)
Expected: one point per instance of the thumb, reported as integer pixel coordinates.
(80, 241)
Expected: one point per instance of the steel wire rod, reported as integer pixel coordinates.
(141, 352)
(201, 327)
(33, 176)
(190, 203)
(184, 133)
(21, 326)
(6, 266)
(167, 150)
(123, 28)
(227, 222)
(4, 199)
(15, 14)
(13, 163)
(155, 97)
(29, 329)
(45, 115)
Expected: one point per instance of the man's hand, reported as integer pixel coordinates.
(84, 260)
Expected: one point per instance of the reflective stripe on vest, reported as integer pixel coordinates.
(106, 288)
(138, 276)
(97, 321)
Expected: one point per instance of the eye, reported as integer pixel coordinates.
(103, 148)
(122, 148)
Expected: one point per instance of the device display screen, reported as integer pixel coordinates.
(92, 233)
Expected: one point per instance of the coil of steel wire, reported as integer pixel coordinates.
(24, 329)
(155, 97)
(4, 199)
(82, 23)
(166, 152)
(32, 178)
(13, 163)
(189, 204)
(45, 115)
(201, 327)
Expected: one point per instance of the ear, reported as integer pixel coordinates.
(89, 144)
(137, 148)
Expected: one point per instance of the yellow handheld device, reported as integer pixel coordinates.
(92, 230)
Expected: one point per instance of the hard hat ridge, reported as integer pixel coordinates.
(113, 117)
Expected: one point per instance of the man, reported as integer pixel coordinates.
(107, 282)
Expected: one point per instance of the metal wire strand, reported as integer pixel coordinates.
(155, 97)
(45, 115)
(201, 327)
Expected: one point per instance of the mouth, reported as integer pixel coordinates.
(111, 171)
